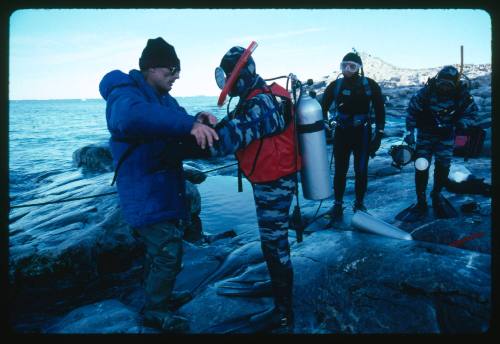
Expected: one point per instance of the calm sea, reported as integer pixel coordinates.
(43, 134)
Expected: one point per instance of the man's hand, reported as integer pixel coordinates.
(203, 134)
(206, 118)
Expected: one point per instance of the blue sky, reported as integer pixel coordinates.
(60, 54)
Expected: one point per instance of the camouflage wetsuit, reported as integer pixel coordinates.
(436, 116)
(254, 119)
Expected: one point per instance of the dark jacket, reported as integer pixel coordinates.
(352, 99)
(428, 110)
(150, 190)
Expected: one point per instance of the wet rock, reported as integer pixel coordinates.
(348, 282)
(109, 316)
(97, 158)
(194, 175)
(94, 157)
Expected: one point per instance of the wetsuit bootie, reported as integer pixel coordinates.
(358, 205)
(336, 213)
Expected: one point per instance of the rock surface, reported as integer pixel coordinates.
(75, 268)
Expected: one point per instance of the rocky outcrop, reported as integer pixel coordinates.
(95, 157)
(349, 282)
(75, 268)
(346, 281)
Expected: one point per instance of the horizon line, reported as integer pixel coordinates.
(86, 99)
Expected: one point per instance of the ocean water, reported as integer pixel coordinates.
(43, 134)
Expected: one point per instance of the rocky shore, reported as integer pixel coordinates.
(75, 268)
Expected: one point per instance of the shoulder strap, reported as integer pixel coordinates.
(124, 156)
(366, 84)
(336, 90)
(133, 144)
(274, 90)
(369, 93)
(255, 92)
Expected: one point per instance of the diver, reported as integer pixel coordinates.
(350, 100)
(441, 106)
(260, 131)
(262, 136)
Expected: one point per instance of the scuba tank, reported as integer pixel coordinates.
(315, 172)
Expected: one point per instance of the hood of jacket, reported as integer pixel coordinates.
(112, 80)
(117, 78)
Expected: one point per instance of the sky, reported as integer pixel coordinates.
(64, 53)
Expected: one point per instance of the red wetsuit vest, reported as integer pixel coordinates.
(275, 156)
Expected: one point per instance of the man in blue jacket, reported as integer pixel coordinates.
(145, 121)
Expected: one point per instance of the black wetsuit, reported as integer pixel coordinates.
(353, 132)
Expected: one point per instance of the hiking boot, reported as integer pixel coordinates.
(178, 298)
(166, 321)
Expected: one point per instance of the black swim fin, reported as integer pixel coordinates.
(266, 321)
(443, 209)
(243, 288)
(413, 213)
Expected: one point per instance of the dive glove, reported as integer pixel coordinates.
(375, 143)
(410, 138)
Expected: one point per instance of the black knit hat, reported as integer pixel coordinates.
(353, 58)
(158, 53)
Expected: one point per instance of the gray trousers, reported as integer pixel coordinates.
(163, 257)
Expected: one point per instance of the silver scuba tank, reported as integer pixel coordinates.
(315, 174)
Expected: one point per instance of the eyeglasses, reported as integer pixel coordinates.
(349, 66)
(174, 69)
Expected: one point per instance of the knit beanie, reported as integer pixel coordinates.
(353, 58)
(158, 53)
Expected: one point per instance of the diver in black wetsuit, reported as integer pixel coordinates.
(350, 100)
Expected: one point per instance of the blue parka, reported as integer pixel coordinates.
(150, 190)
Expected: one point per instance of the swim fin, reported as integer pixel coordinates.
(245, 288)
(266, 321)
(443, 209)
(415, 212)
